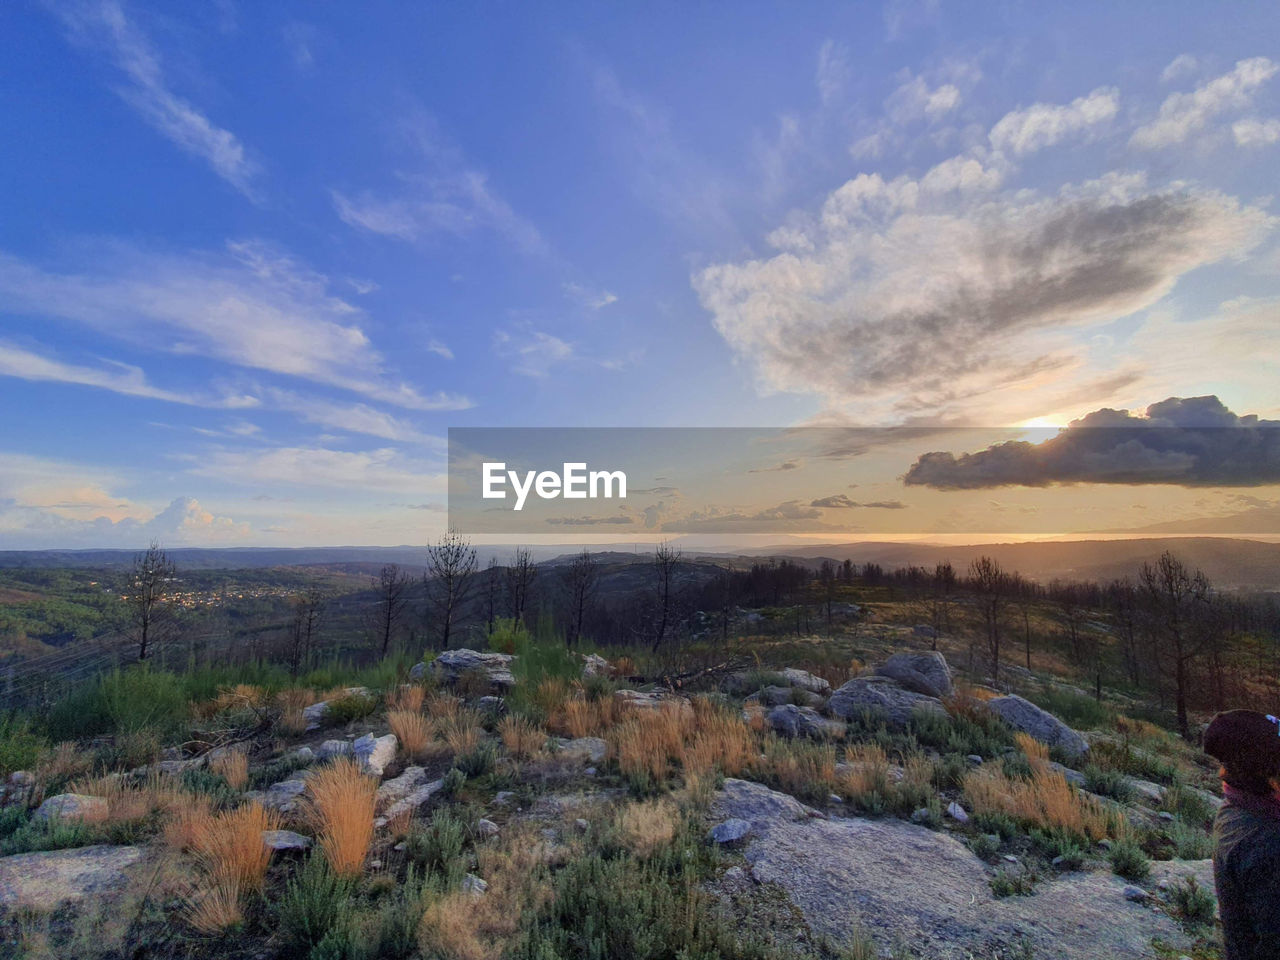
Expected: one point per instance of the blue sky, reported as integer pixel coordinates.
(255, 259)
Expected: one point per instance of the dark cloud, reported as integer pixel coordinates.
(1188, 442)
(841, 501)
(588, 521)
(785, 465)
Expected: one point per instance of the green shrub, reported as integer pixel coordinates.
(453, 783)
(1107, 783)
(479, 761)
(949, 772)
(1056, 843)
(52, 834)
(315, 901)
(998, 823)
(20, 746)
(275, 771)
(1192, 902)
(349, 707)
(1074, 709)
(982, 733)
(1009, 884)
(438, 846)
(1189, 842)
(984, 845)
(1189, 805)
(125, 701)
(212, 785)
(1129, 861)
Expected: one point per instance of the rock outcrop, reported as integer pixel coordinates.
(792, 721)
(925, 673)
(73, 806)
(452, 665)
(883, 697)
(1044, 726)
(903, 883)
(42, 881)
(375, 754)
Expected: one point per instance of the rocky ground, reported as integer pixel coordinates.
(816, 842)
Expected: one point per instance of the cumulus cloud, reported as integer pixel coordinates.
(1187, 442)
(250, 305)
(1045, 124)
(183, 522)
(1183, 114)
(1252, 132)
(103, 24)
(905, 295)
(915, 100)
(1180, 65)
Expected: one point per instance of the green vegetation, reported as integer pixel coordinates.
(1129, 861)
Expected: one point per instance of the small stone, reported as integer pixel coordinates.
(281, 840)
(21, 778)
(474, 885)
(1058, 860)
(957, 812)
(550, 835)
(334, 748)
(1010, 858)
(730, 831)
(375, 864)
(400, 847)
(735, 875)
(304, 754)
(1135, 894)
(1166, 816)
(581, 825)
(1105, 843)
(974, 759)
(375, 753)
(503, 797)
(835, 798)
(590, 771)
(486, 829)
(921, 815)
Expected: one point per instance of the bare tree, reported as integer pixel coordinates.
(1122, 605)
(492, 591)
(665, 559)
(943, 584)
(1176, 599)
(150, 583)
(990, 582)
(582, 581)
(827, 579)
(307, 609)
(391, 587)
(520, 576)
(447, 581)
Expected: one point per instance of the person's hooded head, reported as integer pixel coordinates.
(1247, 744)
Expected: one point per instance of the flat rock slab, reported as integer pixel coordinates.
(43, 881)
(905, 884)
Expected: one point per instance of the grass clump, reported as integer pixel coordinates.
(341, 800)
(1192, 902)
(414, 732)
(20, 746)
(232, 859)
(350, 707)
(1107, 783)
(522, 739)
(438, 846)
(233, 767)
(315, 901)
(1046, 800)
(1129, 861)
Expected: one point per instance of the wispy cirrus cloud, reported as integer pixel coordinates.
(1183, 114)
(123, 378)
(532, 352)
(103, 25)
(250, 305)
(441, 193)
(384, 469)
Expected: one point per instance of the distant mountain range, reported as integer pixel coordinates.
(1229, 562)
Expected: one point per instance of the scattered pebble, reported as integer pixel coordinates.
(957, 812)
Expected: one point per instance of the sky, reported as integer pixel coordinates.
(257, 259)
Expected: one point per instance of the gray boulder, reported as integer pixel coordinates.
(375, 754)
(925, 673)
(806, 681)
(881, 696)
(73, 806)
(1044, 726)
(452, 665)
(42, 881)
(412, 801)
(397, 788)
(334, 748)
(730, 831)
(583, 749)
(792, 721)
(285, 840)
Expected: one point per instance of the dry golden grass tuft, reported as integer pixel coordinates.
(232, 766)
(128, 801)
(1046, 800)
(550, 696)
(187, 813)
(867, 773)
(341, 802)
(232, 859)
(292, 703)
(407, 697)
(462, 926)
(523, 740)
(756, 720)
(649, 741)
(1033, 748)
(581, 716)
(462, 732)
(802, 769)
(413, 731)
(721, 740)
(442, 706)
(648, 826)
(216, 910)
(974, 692)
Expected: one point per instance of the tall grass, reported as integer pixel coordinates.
(1046, 800)
(413, 731)
(232, 766)
(341, 801)
(233, 861)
